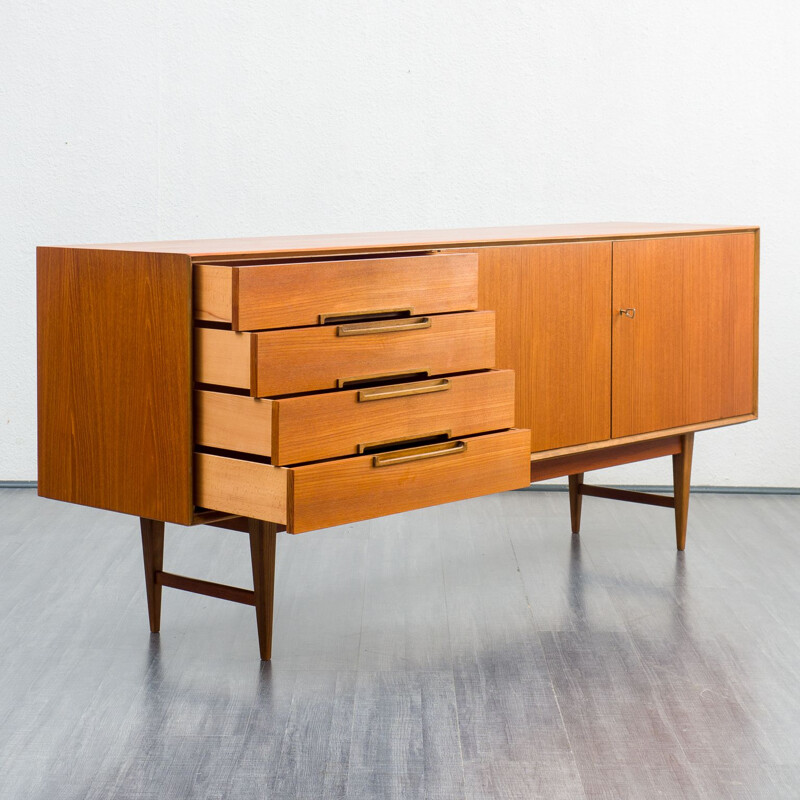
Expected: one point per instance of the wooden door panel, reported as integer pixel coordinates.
(688, 354)
(552, 303)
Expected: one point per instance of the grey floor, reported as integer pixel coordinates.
(475, 650)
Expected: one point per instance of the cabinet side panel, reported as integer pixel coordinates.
(114, 379)
(553, 330)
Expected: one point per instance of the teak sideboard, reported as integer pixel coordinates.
(296, 383)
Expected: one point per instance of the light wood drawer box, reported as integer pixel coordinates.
(334, 424)
(253, 297)
(337, 492)
(328, 356)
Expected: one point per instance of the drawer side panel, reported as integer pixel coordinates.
(241, 487)
(222, 358)
(213, 293)
(233, 422)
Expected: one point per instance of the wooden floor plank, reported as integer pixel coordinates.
(476, 650)
(404, 617)
(506, 704)
(315, 732)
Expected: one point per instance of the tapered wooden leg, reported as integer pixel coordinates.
(575, 498)
(153, 551)
(263, 537)
(681, 475)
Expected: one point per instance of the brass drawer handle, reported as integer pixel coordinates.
(403, 390)
(418, 453)
(630, 313)
(381, 326)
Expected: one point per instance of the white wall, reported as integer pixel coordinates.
(147, 120)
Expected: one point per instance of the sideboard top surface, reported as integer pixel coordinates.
(415, 240)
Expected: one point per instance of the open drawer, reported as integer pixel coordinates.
(260, 296)
(327, 493)
(312, 427)
(312, 359)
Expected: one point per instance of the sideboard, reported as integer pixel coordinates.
(300, 382)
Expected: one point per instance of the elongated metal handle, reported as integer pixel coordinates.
(630, 313)
(384, 326)
(403, 390)
(418, 453)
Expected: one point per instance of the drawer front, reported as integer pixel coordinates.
(330, 493)
(255, 297)
(338, 492)
(318, 426)
(328, 357)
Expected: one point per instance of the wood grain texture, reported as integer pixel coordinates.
(682, 477)
(584, 461)
(220, 520)
(343, 243)
(290, 295)
(756, 284)
(575, 500)
(315, 358)
(336, 424)
(328, 493)
(221, 591)
(212, 293)
(246, 488)
(553, 330)
(234, 422)
(305, 360)
(627, 496)
(223, 357)
(153, 552)
(329, 425)
(642, 437)
(262, 556)
(337, 492)
(232, 523)
(688, 354)
(114, 379)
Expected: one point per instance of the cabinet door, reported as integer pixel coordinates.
(552, 304)
(687, 353)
